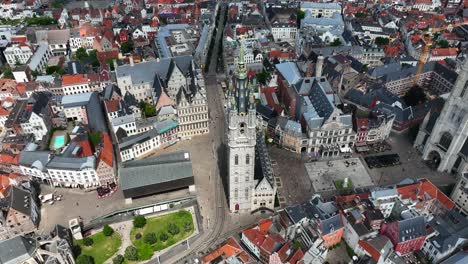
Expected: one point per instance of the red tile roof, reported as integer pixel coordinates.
(264, 225)
(229, 249)
(255, 236)
(297, 256)
(444, 52)
(74, 79)
(284, 252)
(112, 105)
(86, 149)
(107, 150)
(374, 253)
(270, 242)
(417, 191)
(9, 159)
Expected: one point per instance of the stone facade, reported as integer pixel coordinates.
(444, 142)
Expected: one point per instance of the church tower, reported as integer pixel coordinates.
(447, 144)
(241, 139)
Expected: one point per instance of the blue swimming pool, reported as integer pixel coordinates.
(59, 141)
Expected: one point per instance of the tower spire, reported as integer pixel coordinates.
(241, 67)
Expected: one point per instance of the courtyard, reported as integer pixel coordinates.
(331, 175)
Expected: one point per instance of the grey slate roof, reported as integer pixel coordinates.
(460, 257)
(74, 100)
(94, 111)
(154, 170)
(451, 227)
(36, 159)
(72, 163)
(432, 121)
(17, 249)
(411, 228)
(144, 72)
(20, 200)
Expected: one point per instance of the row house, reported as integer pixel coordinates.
(36, 118)
(374, 129)
(73, 171)
(262, 243)
(57, 39)
(230, 249)
(317, 218)
(18, 54)
(6, 105)
(137, 146)
(407, 235)
(75, 84)
(20, 214)
(84, 108)
(33, 164)
(9, 163)
(94, 16)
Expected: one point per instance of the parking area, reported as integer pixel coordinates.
(382, 161)
(412, 166)
(331, 175)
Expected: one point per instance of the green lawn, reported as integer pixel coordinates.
(103, 247)
(339, 184)
(158, 225)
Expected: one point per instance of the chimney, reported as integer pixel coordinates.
(74, 68)
(319, 66)
(131, 61)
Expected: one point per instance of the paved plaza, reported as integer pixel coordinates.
(325, 174)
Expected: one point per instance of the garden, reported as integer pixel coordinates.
(98, 247)
(154, 234)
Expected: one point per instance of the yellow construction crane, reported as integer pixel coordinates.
(428, 44)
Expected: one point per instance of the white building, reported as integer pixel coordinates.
(321, 10)
(33, 164)
(75, 84)
(284, 31)
(384, 200)
(73, 171)
(18, 54)
(40, 58)
(140, 145)
(460, 193)
(427, 5)
(36, 119)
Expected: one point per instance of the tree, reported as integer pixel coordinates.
(85, 259)
(263, 77)
(187, 226)
(336, 42)
(7, 73)
(148, 109)
(443, 43)
(87, 241)
(300, 15)
(107, 230)
(119, 259)
(381, 41)
(163, 236)
(139, 221)
(81, 54)
(126, 47)
(93, 58)
(94, 138)
(360, 14)
(131, 253)
(55, 70)
(110, 62)
(150, 238)
(414, 96)
(173, 229)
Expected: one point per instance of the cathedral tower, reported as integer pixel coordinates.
(241, 139)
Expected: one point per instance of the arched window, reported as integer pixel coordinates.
(247, 159)
(246, 178)
(236, 193)
(236, 160)
(247, 192)
(445, 140)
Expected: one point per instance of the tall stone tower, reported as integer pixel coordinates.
(447, 143)
(241, 139)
